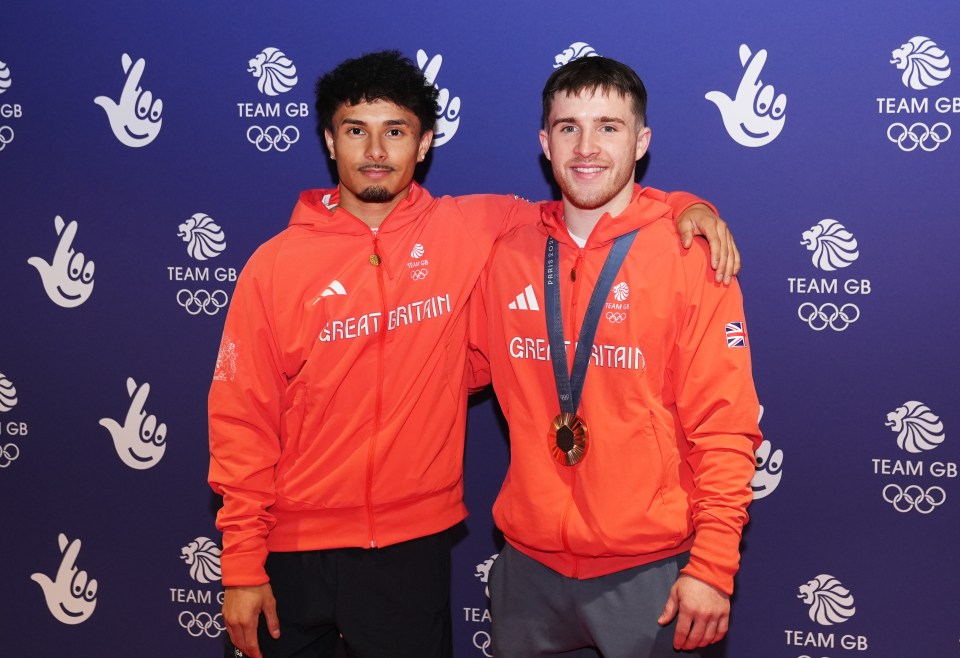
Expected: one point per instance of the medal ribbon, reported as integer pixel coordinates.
(569, 388)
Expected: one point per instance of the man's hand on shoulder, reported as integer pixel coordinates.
(241, 613)
(699, 219)
(702, 612)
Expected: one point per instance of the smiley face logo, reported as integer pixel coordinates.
(72, 596)
(68, 277)
(136, 118)
(140, 441)
(756, 115)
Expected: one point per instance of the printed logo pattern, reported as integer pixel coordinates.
(448, 108)
(141, 440)
(202, 623)
(918, 428)
(6, 136)
(525, 301)
(9, 453)
(830, 602)
(919, 134)
(72, 596)
(833, 246)
(914, 497)
(735, 334)
(769, 468)
(204, 237)
(576, 50)
(756, 115)
(5, 78)
(274, 71)
(203, 557)
(924, 64)
(273, 138)
(136, 118)
(200, 301)
(8, 394)
(68, 277)
(226, 368)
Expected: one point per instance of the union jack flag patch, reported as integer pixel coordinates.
(735, 335)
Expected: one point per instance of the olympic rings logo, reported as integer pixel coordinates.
(828, 315)
(202, 624)
(914, 498)
(918, 134)
(481, 640)
(8, 454)
(418, 275)
(6, 136)
(615, 317)
(273, 137)
(202, 301)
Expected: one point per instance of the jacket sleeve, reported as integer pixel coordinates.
(244, 410)
(478, 365)
(718, 409)
(680, 201)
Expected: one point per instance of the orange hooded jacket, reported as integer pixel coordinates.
(669, 400)
(338, 405)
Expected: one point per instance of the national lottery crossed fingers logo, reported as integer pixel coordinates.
(71, 596)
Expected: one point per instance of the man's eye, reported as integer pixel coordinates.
(396, 132)
(567, 129)
(354, 131)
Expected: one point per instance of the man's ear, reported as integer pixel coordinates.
(643, 142)
(545, 143)
(328, 138)
(425, 139)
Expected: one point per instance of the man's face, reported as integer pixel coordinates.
(377, 146)
(593, 143)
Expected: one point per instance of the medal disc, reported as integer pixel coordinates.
(568, 439)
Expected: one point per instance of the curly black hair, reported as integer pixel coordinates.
(385, 75)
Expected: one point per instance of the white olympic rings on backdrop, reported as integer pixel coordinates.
(8, 454)
(273, 137)
(918, 134)
(481, 640)
(828, 315)
(202, 623)
(6, 136)
(197, 301)
(914, 497)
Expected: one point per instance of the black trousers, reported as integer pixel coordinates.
(361, 603)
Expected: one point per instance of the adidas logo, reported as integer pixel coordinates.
(525, 301)
(335, 288)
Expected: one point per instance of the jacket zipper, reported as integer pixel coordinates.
(376, 260)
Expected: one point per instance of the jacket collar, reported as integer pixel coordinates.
(641, 211)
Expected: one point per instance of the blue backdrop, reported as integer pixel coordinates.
(147, 148)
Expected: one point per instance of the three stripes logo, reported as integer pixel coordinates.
(335, 288)
(525, 301)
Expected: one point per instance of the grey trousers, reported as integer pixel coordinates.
(538, 612)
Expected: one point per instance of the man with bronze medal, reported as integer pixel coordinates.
(629, 475)
(329, 543)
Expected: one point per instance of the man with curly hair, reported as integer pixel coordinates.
(338, 407)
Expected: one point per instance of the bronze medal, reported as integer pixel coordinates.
(568, 439)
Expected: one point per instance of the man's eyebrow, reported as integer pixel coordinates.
(603, 119)
(388, 122)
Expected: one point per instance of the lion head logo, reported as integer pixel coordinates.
(8, 394)
(833, 246)
(918, 428)
(924, 63)
(483, 571)
(576, 50)
(274, 71)
(203, 236)
(830, 602)
(203, 556)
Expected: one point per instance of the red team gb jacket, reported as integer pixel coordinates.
(669, 400)
(338, 405)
